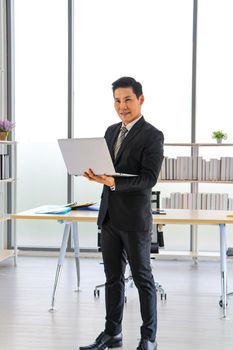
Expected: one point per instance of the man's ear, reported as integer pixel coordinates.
(141, 99)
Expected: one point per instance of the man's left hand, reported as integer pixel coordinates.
(102, 179)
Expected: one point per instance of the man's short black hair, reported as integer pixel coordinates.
(128, 82)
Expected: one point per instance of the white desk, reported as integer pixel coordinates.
(182, 216)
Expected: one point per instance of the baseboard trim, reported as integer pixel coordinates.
(163, 255)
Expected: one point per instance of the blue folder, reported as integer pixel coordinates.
(91, 207)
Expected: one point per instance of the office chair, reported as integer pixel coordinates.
(157, 242)
(229, 253)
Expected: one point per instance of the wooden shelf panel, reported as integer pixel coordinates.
(5, 254)
(7, 142)
(4, 217)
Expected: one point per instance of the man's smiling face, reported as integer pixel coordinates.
(127, 104)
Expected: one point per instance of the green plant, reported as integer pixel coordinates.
(219, 134)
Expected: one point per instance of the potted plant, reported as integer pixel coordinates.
(5, 127)
(219, 135)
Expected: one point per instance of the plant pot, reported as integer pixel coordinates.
(219, 140)
(3, 135)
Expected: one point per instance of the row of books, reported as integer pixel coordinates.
(206, 201)
(4, 166)
(197, 168)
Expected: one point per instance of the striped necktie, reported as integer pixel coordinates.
(120, 139)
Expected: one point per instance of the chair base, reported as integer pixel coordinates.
(129, 283)
(228, 295)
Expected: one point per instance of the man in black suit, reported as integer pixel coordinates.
(125, 214)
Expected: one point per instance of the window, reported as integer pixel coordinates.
(41, 112)
(151, 42)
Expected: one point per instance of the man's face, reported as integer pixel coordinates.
(127, 105)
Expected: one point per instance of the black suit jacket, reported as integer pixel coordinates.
(141, 153)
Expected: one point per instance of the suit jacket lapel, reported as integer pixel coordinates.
(132, 133)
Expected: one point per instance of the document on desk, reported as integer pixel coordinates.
(76, 205)
(83, 206)
(54, 210)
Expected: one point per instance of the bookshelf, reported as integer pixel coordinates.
(7, 197)
(193, 169)
(194, 181)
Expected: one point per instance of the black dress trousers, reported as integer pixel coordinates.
(117, 247)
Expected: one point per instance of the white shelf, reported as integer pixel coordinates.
(199, 144)
(3, 218)
(166, 177)
(197, 181)
(5, 254)
(7, 142)
(194, 183)
(10, 179)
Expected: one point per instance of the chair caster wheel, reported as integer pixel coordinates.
(96, 293)
(221, 304)
(163, 296)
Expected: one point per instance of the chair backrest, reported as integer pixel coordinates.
(230, 251)
(99, 239)
(157, 234)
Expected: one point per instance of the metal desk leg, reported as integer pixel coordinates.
(76, 251)
(223, 261)
(15, 243)
(60, 261)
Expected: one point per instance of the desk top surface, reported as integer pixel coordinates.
(179, 216)
(73, 215)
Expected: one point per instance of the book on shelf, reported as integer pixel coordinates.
(194, 168)
(4, 166)
(203, 170)
(230, 203)
(207, 171)
(197, 168)
(228, 175)
(200, 201)
(222, 169)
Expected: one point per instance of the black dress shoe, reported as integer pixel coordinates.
(146, 344)
(105, 341)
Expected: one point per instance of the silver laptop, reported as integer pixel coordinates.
(83, 154)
